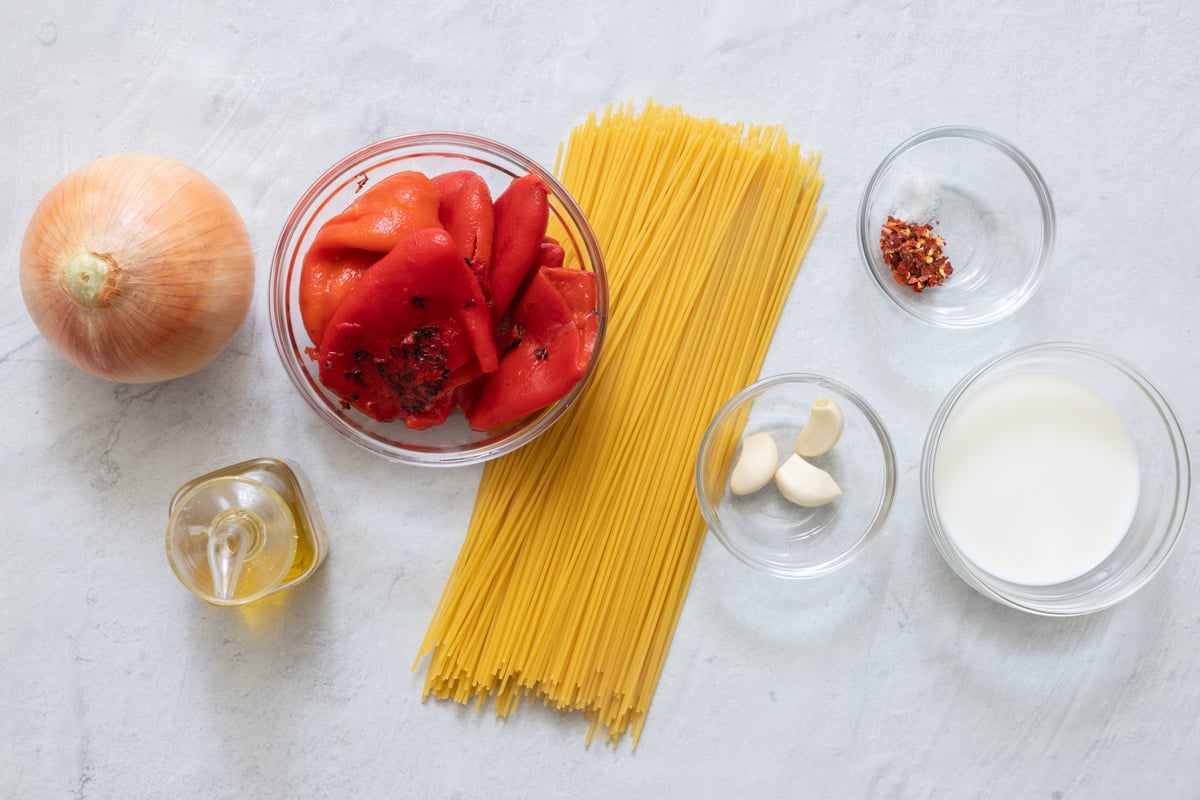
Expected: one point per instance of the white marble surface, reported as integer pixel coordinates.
(888, 679)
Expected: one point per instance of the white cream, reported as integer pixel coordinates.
(1036, 478)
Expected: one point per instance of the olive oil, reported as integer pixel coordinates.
(245, 532)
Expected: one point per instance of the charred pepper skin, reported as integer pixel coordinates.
(390, 357)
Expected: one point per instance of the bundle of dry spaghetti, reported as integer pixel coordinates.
(582, 544)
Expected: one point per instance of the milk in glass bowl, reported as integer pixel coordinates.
(1055, 479)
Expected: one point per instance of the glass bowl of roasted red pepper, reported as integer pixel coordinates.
(1055, 479)
(956, 226)
(438, 299)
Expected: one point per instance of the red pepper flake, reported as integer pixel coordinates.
(914, 254)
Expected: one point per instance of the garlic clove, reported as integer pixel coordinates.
(805, 484)
(755, 465)
(823, 428)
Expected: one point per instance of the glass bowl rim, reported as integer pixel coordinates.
(279, 301)
(883, 506)
(1037, 182)
(1172, 528)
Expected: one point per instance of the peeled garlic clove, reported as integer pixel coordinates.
(755, 465)
(806, 485)
(823, 429)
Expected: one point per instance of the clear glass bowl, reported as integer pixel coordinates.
(993, 211)
(764, 529)
(452, 443)
(1164, 476)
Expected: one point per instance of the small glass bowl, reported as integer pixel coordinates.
(1164, 478)
(453, 443)
(992, 210)
(764, 529)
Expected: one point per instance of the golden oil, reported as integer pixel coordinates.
(245, 532)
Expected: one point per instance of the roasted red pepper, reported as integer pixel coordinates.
(578, 290)
(348, 244)
(414, 328)
(544, 353)
(550, 253)
(324, 283)
(465, 210)
(521, 213)
(434, 414)
(424, 295)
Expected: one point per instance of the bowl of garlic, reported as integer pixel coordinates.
(796, 475)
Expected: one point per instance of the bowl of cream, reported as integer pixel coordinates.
(1055, 479)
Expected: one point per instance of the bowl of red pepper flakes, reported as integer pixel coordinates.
(956, 227)
(438, 299)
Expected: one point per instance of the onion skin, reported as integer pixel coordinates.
(137, 268)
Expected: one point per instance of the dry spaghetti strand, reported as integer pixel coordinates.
(582, 544)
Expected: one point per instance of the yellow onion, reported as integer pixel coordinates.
(137, 268)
